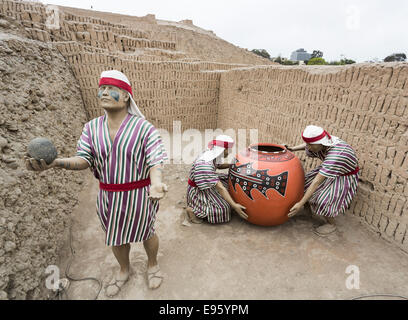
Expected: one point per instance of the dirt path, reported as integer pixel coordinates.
(237, 260)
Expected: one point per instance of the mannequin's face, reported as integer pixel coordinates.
(112, 98)
(315, 147)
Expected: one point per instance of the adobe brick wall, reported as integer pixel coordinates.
(49, 89)
(179, 73)
(168, 84)
(364, 104)
(194, 41)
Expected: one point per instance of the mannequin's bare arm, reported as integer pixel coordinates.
(157, 188)
(236, 206)
(223, 166)
(73, 163)
(296, 148)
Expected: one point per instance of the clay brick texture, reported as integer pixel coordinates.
(168, 84)
(184, 73)
(366, 105)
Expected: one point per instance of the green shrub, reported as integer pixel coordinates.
(262, 53)
(316, 61)
(396, 57)
(289, 62)
(341, 62)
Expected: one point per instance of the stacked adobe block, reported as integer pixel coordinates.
(168, 84)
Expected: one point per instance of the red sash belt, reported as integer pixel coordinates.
(124, 186)
(352, 172)
(192, 183)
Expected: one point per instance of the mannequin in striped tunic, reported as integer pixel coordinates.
(329, 188)
(126, 154)
(207, 191)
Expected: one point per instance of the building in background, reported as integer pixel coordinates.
(300, 55)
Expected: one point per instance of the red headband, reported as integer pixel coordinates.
(314, 139)
(219, 143)
(117, 83)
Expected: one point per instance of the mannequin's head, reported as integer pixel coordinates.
(112, 98)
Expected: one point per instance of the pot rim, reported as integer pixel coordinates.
(284, 150)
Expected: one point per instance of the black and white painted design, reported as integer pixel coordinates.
(249, 179)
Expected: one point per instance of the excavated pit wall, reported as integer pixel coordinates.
(39, 96)
(49, 84)
(365, 104)
(168, 84)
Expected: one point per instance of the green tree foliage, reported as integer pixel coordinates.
(278, 60)
(341, 62)
(396, 57)
(347, 61)
(317, 54)
(289, 62)
(285, 62)
(262, 53)
(316, 61)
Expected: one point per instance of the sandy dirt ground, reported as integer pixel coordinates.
(236, 260)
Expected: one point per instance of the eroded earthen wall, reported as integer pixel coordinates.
(48, 88)
(39, 97)
(365, 105)
(49, 85)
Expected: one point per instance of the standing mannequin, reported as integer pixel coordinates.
(126, 155)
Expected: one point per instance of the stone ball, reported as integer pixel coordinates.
(42, 148)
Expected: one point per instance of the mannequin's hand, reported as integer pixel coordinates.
(35, 165)
(157, 191)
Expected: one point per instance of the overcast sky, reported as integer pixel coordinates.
(360, 30)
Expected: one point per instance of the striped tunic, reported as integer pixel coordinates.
(335, 193)
(125, 216)
(204, 199)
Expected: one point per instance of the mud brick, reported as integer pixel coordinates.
(93, 35)
(385, 203)
(385, 175)
(405, 243)
(381, 153)
(25, 16)
(394, 77)
(401, 106)
(47, 37)
(35, 17)
(393, 203)
(392, 106)
(386, 104)
(404, 165)
(385, 79)
(383, 223)
(369, 217)
(390, 153)
(379, 103)
(391, 228)
(376, 220)
(111, 37)
(360, 208)
(99, 35)
(400, 232)
(401, 206)
(399, 186)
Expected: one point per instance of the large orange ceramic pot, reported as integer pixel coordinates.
(268, 180)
